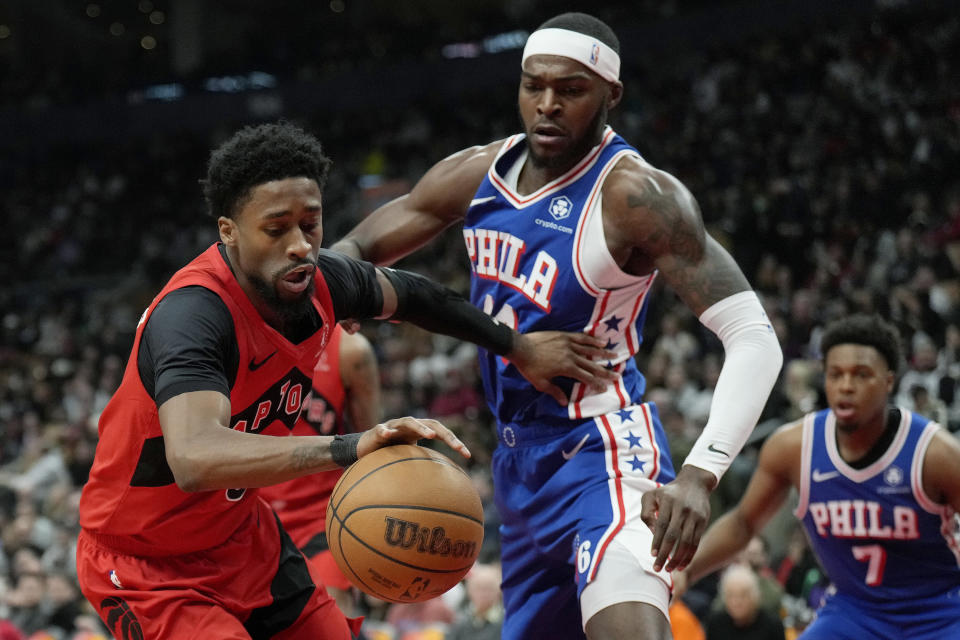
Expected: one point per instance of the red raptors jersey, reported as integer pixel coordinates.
(301, 503)
(131, 500)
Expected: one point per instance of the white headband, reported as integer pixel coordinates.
(585, 49)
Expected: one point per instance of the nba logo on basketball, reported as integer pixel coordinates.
(594, 53)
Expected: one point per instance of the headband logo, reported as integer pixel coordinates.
(594, 54)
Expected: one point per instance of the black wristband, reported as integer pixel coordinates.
(343, 449)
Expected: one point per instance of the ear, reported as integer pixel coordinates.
(616, 93)
(891, 380)
(228, 231)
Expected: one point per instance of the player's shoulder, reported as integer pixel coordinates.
(637, 186)
(476, 159)
(943, 450)
(785, 443)
(450, 183)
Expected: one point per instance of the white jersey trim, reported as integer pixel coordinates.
(877, 466)
(519, 201)
(916, 473)
(806, 458)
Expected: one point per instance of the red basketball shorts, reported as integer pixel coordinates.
(256, 584)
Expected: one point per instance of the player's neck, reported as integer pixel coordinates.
(867, 439)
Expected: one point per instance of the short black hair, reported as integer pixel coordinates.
(258, 154)
(585, 24)
(864, 329)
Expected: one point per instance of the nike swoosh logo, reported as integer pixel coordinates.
(710, 447)
(569, 454)
(821, 476)
(477, 201)
(254, 365)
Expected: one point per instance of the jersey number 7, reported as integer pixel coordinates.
(876, 558)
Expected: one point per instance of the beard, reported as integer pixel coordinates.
(578, 149)
(287, 310)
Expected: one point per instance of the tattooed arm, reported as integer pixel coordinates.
(651, 221)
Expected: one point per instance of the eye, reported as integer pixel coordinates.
(310, 227)
(274, 232)
(572, 91)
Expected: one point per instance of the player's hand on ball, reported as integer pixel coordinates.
(677, 514)
(543, 355)
(407, 431)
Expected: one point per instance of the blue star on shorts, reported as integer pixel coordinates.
(613, 323)
(634, 440)
(637, 464)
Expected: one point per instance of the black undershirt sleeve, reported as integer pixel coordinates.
(353, 285)
(189, 344)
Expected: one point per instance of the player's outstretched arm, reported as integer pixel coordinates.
(539, 356)
(654, 222)
(438, 200)
(778, 468)
(204, 453)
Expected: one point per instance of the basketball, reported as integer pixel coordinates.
(404, 523)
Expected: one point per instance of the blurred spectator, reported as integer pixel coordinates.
(675, 342)
(28, 612)
(742, 617)
(63, 603)
(483, 617)
(756, 556)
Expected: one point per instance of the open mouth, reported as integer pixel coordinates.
(296, 280)
(845, 410)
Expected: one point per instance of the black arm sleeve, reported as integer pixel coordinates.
(353, 285)
(438, 309)
(189, 344)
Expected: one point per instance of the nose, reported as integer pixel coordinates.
(299, 246)
(846, 383)
(548, 103)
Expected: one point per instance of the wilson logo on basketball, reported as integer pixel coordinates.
(406, 534)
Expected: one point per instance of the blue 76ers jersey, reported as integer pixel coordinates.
(540, 261)
(878, 536)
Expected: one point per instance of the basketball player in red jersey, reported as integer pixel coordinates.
(346, 384)
(176, 541)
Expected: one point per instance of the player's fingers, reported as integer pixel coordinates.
(405, 427)
(648, 509)
(595, 350)
(596, 374)
(589, 373)
(665, 534)
(446, 435)
(686, 545)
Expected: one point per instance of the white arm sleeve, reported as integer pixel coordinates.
(752, 361)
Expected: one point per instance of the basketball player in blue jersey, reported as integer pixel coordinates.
(879, 496)
(566, 227)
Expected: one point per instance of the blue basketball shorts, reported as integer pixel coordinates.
(564, 494)
(846, 618)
